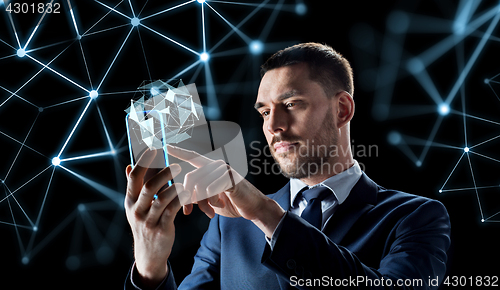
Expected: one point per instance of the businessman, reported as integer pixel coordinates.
(329, 226)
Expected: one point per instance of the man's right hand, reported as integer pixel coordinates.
(152, 220)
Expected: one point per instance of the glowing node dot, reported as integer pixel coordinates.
(486, 81)
(301, 9)
(154, 91)
(40, 109)
(35, 228)
(204, 56)
(415, 65)
(443, 109)
(201, 1)
(21, 52)
(394, 138)
(81, 207)
(25, 260)
(56, 161)
(3, 181)
(466, 149)
(113, 152)
(93, 94)
(418, 163)
(440, 191)
(256, 47)
(135, 21)
(482, 220)
(78, 37)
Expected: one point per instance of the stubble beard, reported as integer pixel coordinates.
(298, 162)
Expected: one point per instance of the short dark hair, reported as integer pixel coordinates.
(326, 66)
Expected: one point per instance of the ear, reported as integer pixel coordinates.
(345, 108)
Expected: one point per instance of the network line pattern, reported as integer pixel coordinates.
(61, 105)
(457, 63)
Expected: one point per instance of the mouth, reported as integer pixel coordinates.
(282, 147)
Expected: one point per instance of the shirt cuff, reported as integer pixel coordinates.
(135, 280)
(276, 233)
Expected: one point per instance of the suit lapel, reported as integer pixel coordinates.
(362, 198)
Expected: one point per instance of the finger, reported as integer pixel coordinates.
(192, 157)
(187, 209)
(201, 179)
(206, 208)
(153, 185)
(224, 182)
(170, 212)
(209, 177)
(159, 205)
(135, 176)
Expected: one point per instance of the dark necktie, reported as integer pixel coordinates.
(312, 213)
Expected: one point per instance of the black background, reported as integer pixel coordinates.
(236, 77)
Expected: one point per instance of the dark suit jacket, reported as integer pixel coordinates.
(377, 234)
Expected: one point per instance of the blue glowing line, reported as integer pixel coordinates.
(14, 28)
(105, 30)
(45, 197)
(131, 8)
(493, 159)
(21, 143)
(11, 193)
(111, 148)
(85, 62)
(66, 102)
(250, 4)
(107, 153)
(20, 148)
(166, 10)
(470, 188)
(74, 20)
(441, 190)
(234, 28)
(16, 226)
(431, 138)
(12, 94)
(24, 212)
(53, 234)
(428, 85)
(114, 10)
(59, 74)
(203, 28)
(113, 195)
(475, 187)
(436, 51)
(484, 142)
(239, 24)
(270, 21)
(7, 45)
(107, 13)
(48, 45)
(403, 146)
(21, 246)
(114, 59)
(474, 117)
(36, 27)
(170, 39)
(473, 58)
(74, 128)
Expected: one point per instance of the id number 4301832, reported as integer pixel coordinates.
(471, 281)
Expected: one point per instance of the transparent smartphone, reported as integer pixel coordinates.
(144, 133)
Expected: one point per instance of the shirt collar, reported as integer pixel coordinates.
(340, 184)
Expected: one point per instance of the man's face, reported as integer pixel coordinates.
(299, 122)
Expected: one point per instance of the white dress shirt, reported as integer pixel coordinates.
(340, 184)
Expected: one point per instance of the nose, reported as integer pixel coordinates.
(277, 122)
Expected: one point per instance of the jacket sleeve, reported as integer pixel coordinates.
(416, 252)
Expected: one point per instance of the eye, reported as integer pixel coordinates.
(289, 105)
(264, 114)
